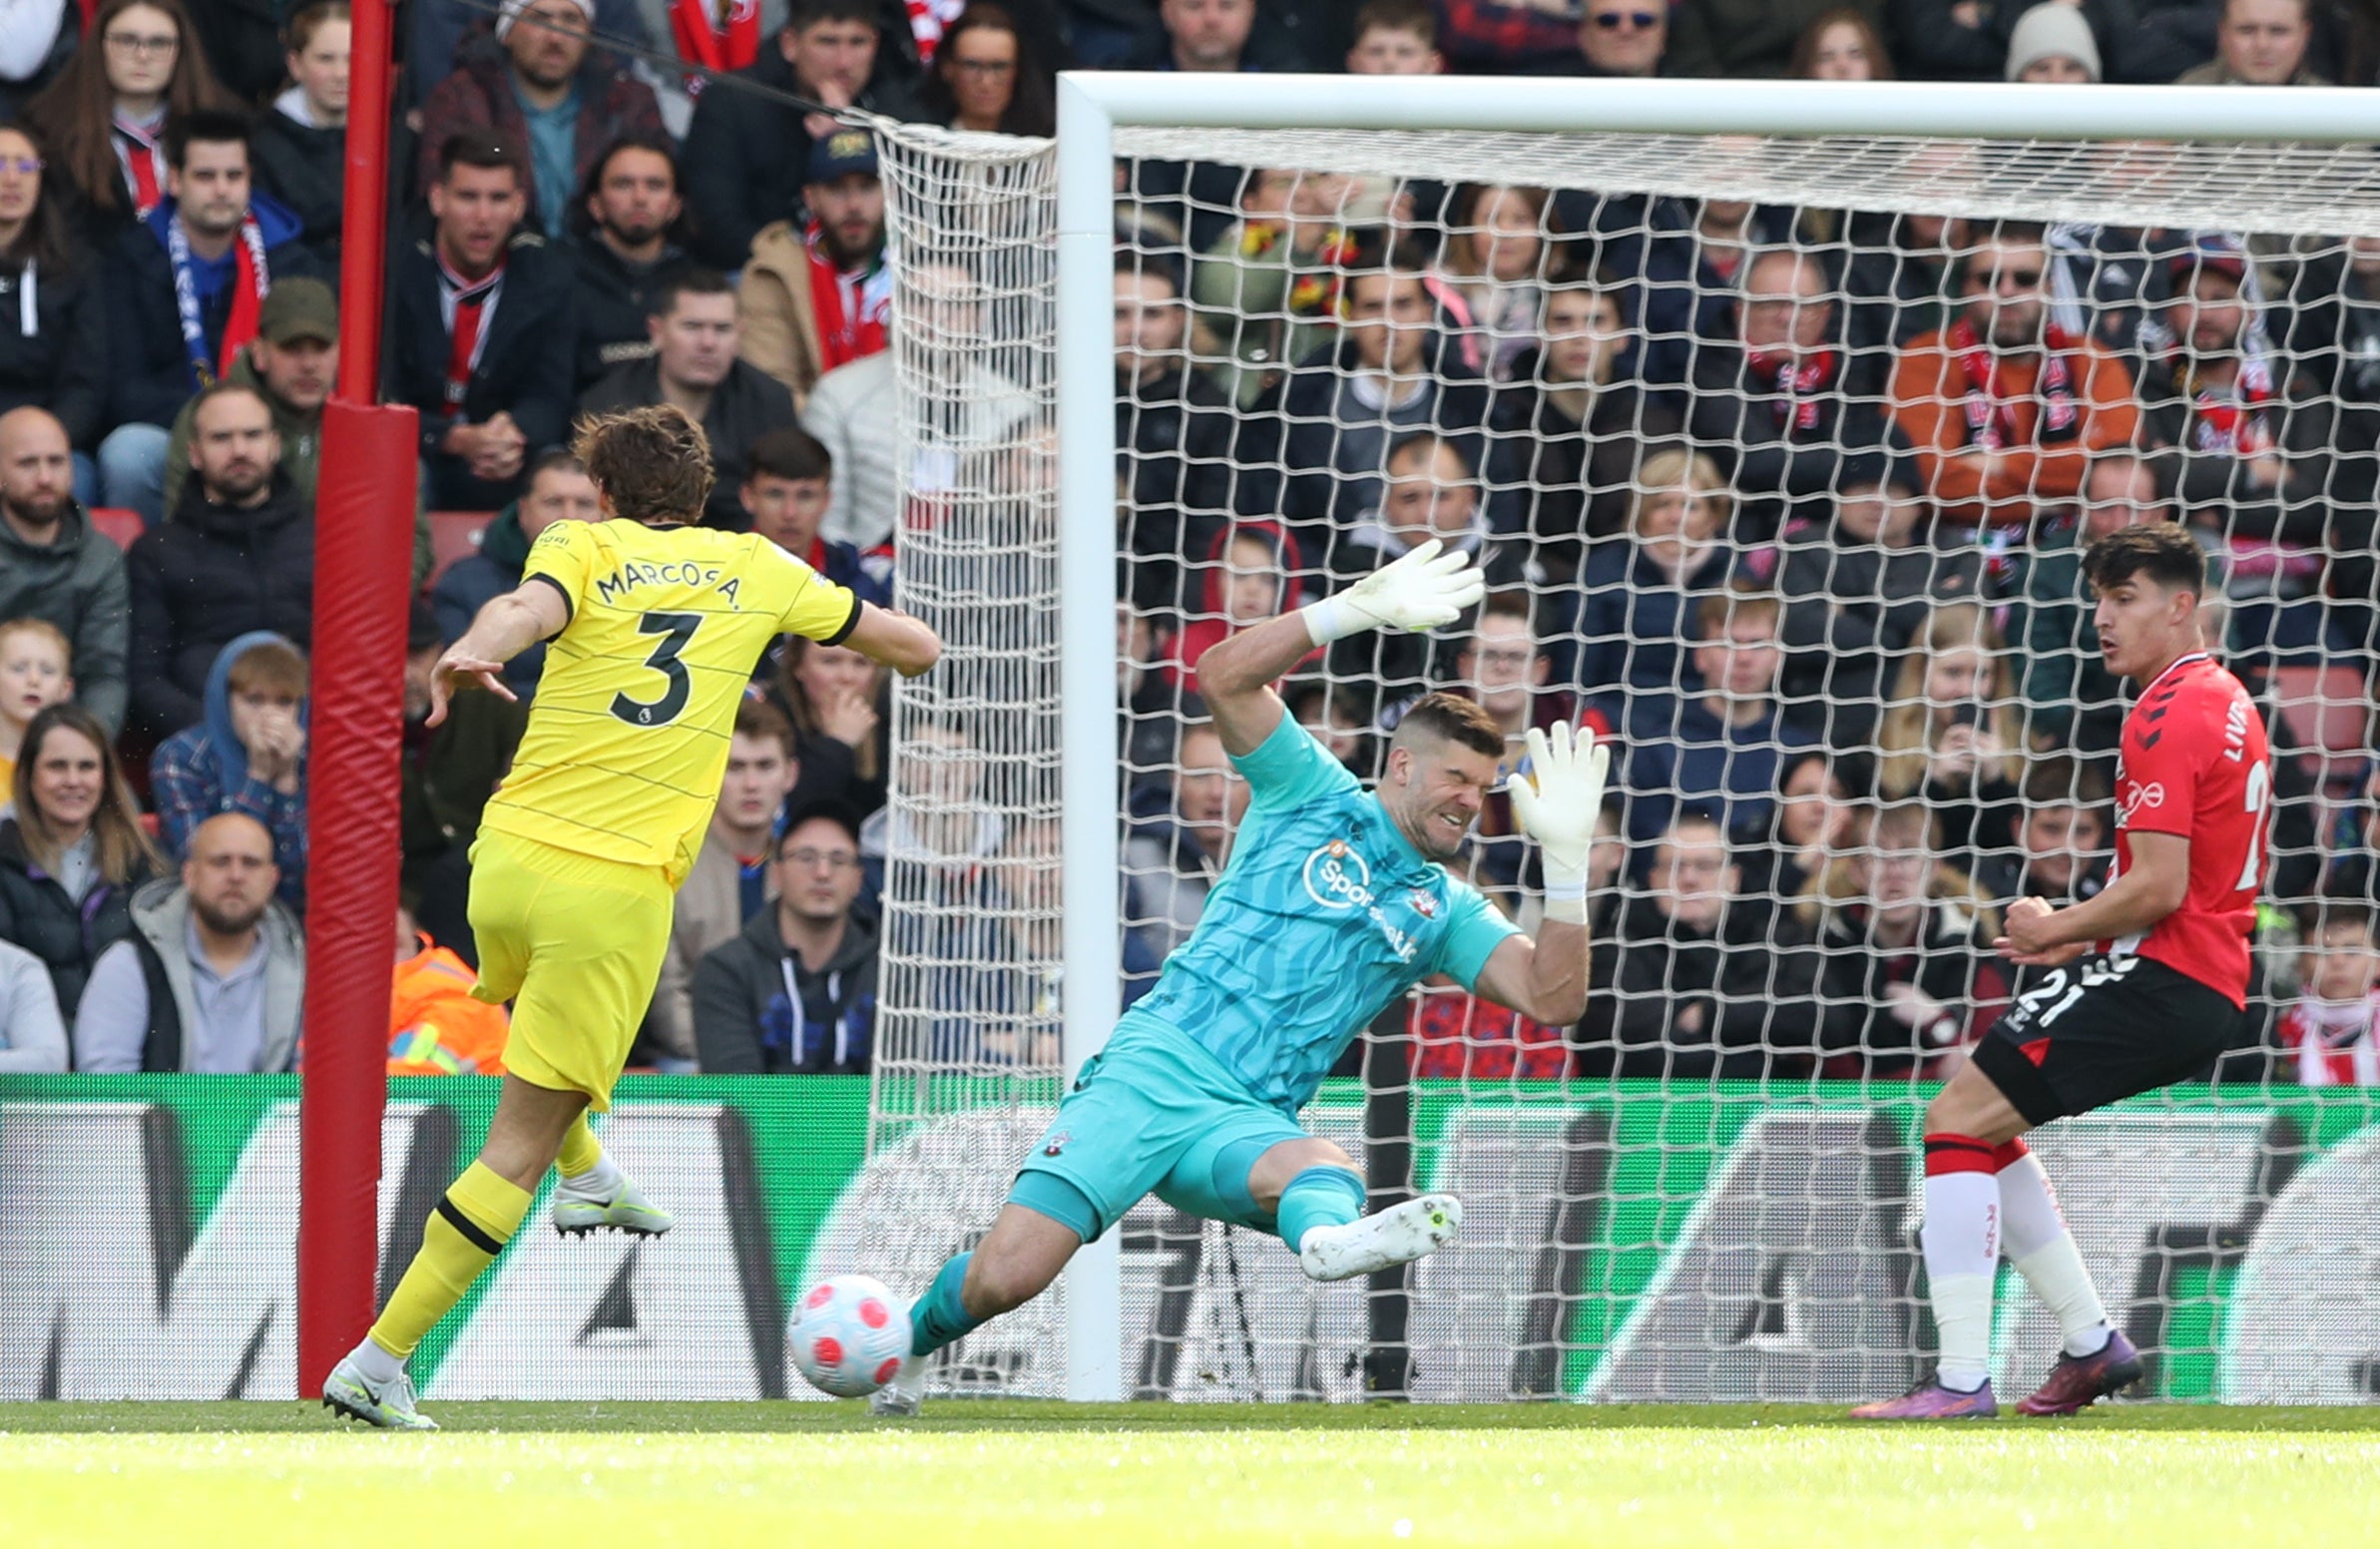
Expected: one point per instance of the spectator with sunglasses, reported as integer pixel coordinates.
(2004, 406)
(1617, 38)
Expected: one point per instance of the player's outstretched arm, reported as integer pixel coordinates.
(1557, 805)
(2153, 886)
(1423, 589)
(901, 643)
(506, 627)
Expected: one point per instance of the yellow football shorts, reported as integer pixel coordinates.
(576, 943)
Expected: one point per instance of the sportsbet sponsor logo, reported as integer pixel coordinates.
(1339, 879)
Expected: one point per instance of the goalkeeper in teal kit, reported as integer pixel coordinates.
(1334, 903)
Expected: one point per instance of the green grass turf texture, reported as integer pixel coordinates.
(1147, 1476)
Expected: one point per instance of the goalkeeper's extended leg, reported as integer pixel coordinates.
(1028, 1245)
(478, 1214)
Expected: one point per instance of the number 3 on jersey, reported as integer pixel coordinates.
(676, 630)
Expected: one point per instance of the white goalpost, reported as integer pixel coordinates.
(1733, 1231)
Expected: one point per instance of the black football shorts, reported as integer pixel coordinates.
(2101, 1029)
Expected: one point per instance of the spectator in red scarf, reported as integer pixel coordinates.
(481, 330)
(2250, 437)
(104, 118)
(985, 76)
(2004, 406)
(1775, 395)
(816, 293)
(185, 290)
(2332, 1037)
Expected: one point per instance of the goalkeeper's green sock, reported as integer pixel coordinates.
(1317, 1197)
(470, 1226)
(941, 1317)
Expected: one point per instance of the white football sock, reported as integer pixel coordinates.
(2044, 1251)
(377, 1364)
(599, 1180)
(1962, 1253)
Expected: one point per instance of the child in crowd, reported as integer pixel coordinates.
(2332, 1036)
(36, 671)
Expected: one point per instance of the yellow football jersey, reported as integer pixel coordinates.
(627, 736)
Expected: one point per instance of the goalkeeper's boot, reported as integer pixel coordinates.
(2078, 1381)
(387, 1406)
(621, 1208)
(1382, 1240)
(903, 1396)
(1930, 1400)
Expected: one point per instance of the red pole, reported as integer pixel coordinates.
(363, 518)
(364, 230)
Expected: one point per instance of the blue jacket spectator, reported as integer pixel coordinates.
(1639, 592)
(160, 349)
(249, 756)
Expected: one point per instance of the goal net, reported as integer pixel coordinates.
(1780, 455)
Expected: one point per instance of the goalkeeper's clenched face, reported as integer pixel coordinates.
(1433, 790)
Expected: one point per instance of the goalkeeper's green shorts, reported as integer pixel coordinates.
(1151, 1114)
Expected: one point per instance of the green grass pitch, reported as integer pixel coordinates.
(1152, 1476)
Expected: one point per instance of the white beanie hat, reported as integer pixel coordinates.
(2047, 31)
(513, 9)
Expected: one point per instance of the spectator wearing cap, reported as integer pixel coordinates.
(447, 772)
(795, 991)
(1859, 586)
(539, 86)
(2259, 43)
(695, 323)
(482, 329)
(748, 153)
(2051, 45)
(628, 217)
(292, 363)
(186, 288)
(1962, 40)
(816, 293)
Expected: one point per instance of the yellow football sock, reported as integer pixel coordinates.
(580, 1150)
(470, 1226)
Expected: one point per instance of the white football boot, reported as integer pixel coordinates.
(387, 1406)
(903, 1396)
(578, 1211)
(1382, 1240)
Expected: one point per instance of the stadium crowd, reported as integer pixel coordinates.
(1789, 502)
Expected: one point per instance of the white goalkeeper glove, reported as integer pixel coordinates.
(1423, 589)
(1559, 809)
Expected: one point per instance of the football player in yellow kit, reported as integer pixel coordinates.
(654, 624)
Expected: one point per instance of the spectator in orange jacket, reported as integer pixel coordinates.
(435, 1028)
(2005, 408)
